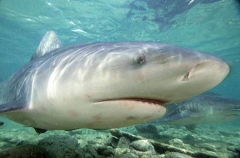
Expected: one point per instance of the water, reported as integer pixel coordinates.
(212, 26)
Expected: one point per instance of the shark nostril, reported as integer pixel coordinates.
(198, 68)
(186, 76)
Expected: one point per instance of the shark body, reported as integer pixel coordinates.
(205, 108)
(105, 85)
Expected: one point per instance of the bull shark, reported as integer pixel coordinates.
(105, 85)
(205, 108)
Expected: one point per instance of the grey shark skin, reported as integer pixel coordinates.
(205, 108)
(106, 85)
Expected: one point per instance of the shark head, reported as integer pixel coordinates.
(107, 85)
(153, 71)
(223, 110)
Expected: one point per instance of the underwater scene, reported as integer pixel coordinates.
(119, 78)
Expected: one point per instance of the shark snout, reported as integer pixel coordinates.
(207, 69)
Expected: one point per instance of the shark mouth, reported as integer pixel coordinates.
(142, 100)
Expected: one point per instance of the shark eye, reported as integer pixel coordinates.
(140, 59)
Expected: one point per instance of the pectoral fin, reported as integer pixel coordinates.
(14, 106)
(40, 131)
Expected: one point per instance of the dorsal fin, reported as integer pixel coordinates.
(49, 42)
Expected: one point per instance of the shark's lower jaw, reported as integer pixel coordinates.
(157, 102)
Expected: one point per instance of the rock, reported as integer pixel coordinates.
(26, 151)
(128, 155)
(208, 154)
(176, 142)
(237, 152)
(207, 146)
(75, 132)
(176, 155)
(123, 143)
(191, 138)
(153, 156)
(141, 147)
(117, 133)
(232, 148)
(121, 151)
(6, 145)
(114, 141)
(100, 147)
(5, 139)
(15, 130)
(106, 151)
(60, 146)
(21, 142)
(88, 155)
(229, 134)
(109, 152)
(92, 151)
(162, 147)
